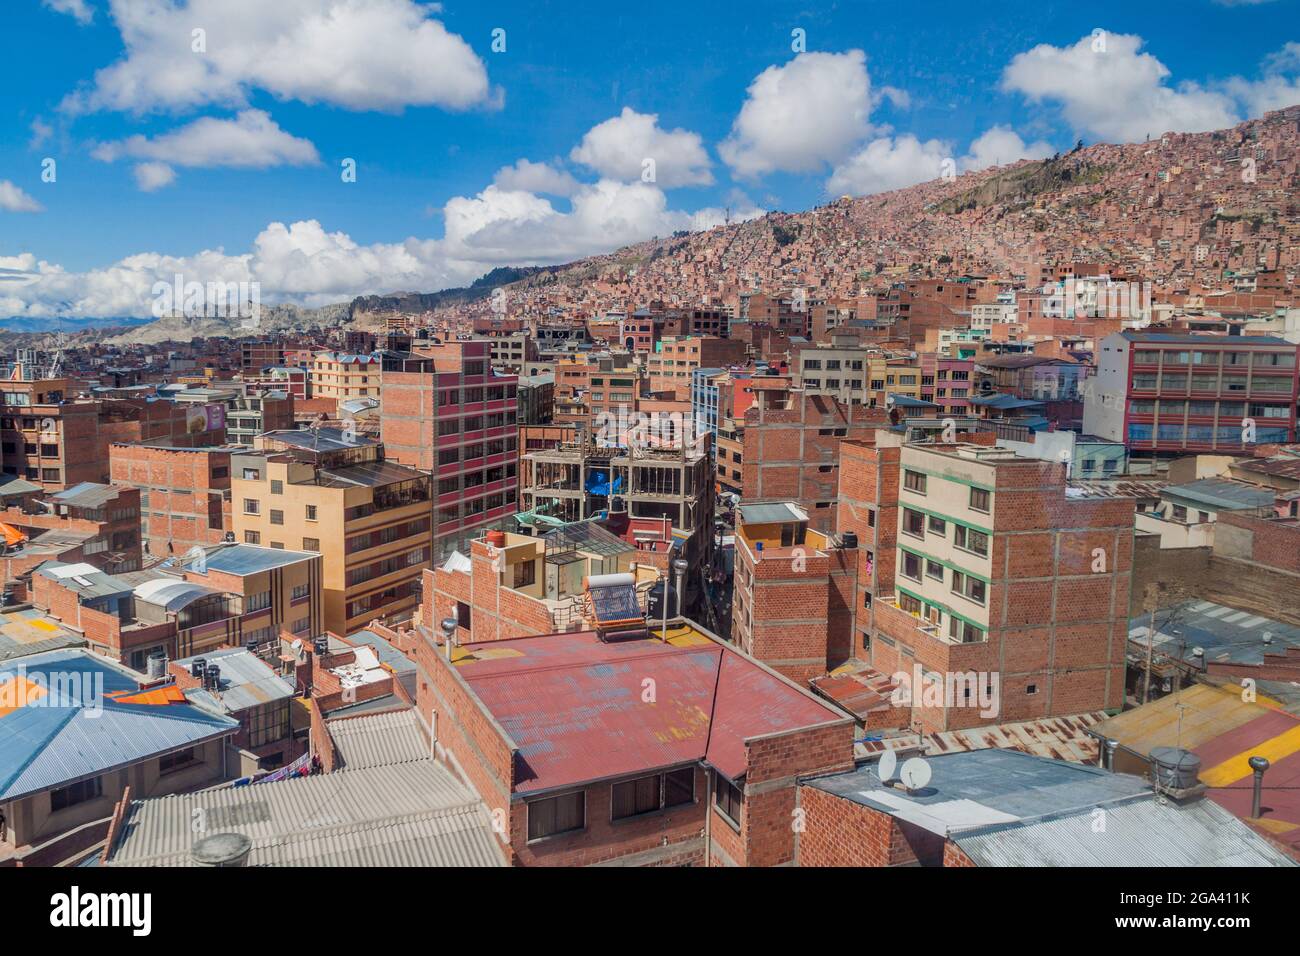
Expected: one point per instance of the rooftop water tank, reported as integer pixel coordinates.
(1174, 767)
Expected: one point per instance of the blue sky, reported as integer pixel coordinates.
(430, 113)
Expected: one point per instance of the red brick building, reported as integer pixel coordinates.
(791, 449)
(446, 413)
(184, 493)
(1000, 573)
(691, 759)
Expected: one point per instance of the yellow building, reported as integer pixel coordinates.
(331, 492)
(344, 375)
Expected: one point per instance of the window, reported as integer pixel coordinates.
(311, 544)
(971, 588)
(277, 517)
(75, 793)
(252, 506)
(525, 574)
(277, 486)
(933, 569)
(938, 525)
(911, 566)
(300, 591)
(311, 512)
(555, 815)
(728, 798)
(979, 500)
(679, 787)
(252, 474)
(634, 797)
(913, 523)
(968, 539)
(914, 481)
(255, 602)
(252, 537)
(169, 763)
(964, 632)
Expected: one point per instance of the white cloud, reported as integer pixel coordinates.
(79, 9)
(500, 227)
(1109, 89)
(302, 263)
(357, 54)
(527, 176)
(889, 163)
(251, 140)
(619, 147)
(13, 199)
(1279, 86)
(152, 176)
(801, 116)
(1000, 145)
(41, 133)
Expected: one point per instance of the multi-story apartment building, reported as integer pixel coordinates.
(250, 409)
(1163, 394)
(102, 521)
(791, 448)
(839, 369)
(705, 776)
(536, 399)
(332, 492)
(184, 493)
(446, 413)
(999, 573)
(57, 442)
(670, 369)
(792, 592)
(344, 375)
(947, 383)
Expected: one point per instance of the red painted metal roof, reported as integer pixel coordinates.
(582, 710)
(1273, 735)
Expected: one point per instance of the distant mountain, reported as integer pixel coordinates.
(417, 302)
(69, 325)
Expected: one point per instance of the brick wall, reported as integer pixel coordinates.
(839, 832)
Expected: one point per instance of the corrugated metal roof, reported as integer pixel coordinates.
(576, 706)
(772, 513)
(1187, 719)
(88, 494)
(246, 681)
(1143, 831)
(407, 814)
(1224, 732)
(1222, 633)
(1222, 493)
(1060, 738)
(245, 559)
(59, 722)
(378, 740)
(171, 594)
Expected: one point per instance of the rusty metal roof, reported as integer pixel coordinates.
(581, 710)
(1225, 732)
(1061, 738)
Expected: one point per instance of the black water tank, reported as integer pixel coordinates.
(655, 602)
(849, 539)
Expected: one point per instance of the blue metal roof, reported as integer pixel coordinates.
(58, 723)
(244, 559)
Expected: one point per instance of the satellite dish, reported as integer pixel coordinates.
(888, 766)
(915, 773)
